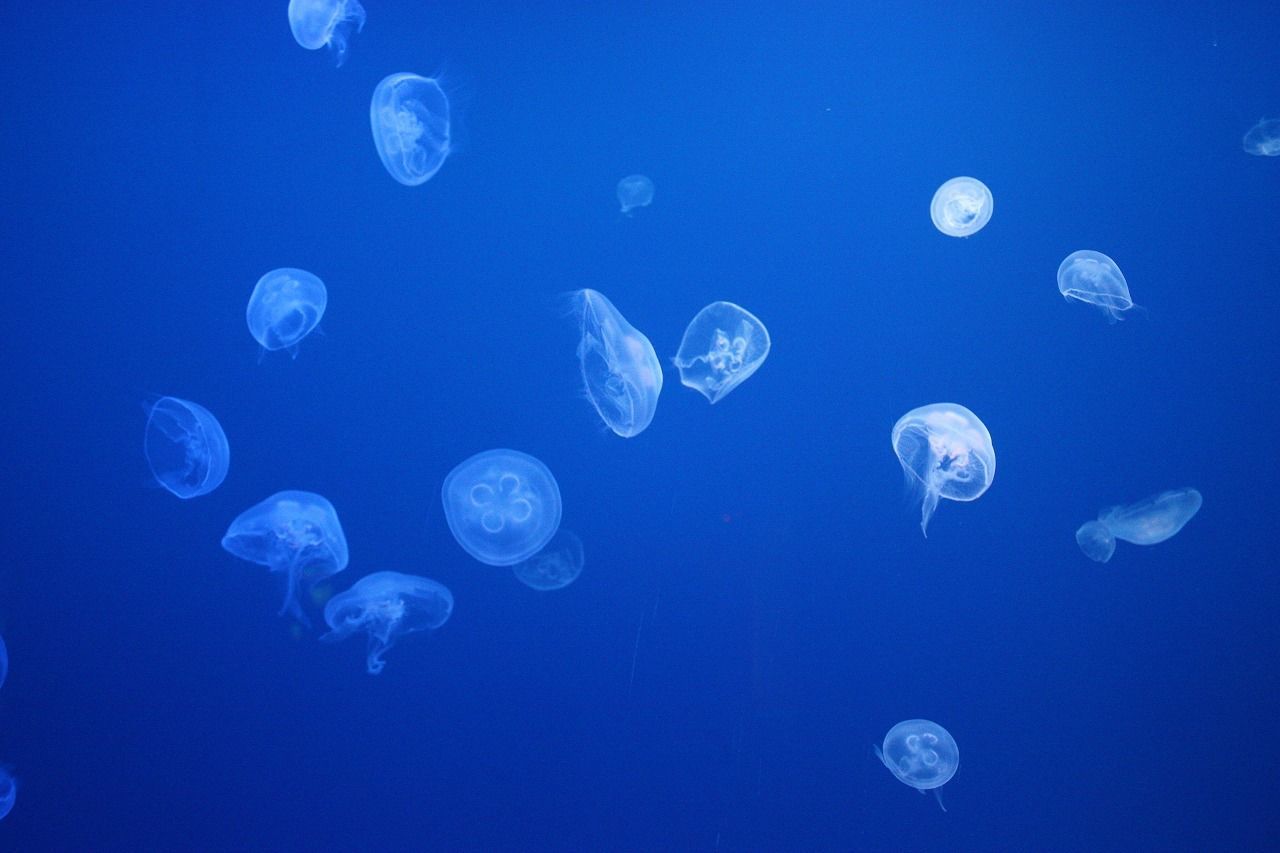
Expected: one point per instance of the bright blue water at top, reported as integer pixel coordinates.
(757, 606)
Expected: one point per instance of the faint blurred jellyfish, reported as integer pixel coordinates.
(294, 533)
(410, 118)
(1263, 139)
(620, 370)
(1096, 541)
(945, 450)
(4, 662)
(922, 754)
(555, 566)
(316, 23)
(723, 345)
(8, 791)
(386, 606)
(502, 506)
(1093, 278)
(961, 206)
(634, 191)
(286, 304)
(185, 447)
(1154, 519)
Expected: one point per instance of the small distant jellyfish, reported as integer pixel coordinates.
(1096, 541)
(8, 791)
(723, 345)
(1263, 139)
(634, 191)
(961, 207)
(620, 369)
(284, 307)
(185, 447)
(1093, 278)
(922, 754)
(295, 533)
(555, 566)
(4, 662)
(1154, 519)
(316, 23)
(386, 606)
(410, 119)
(502, 506)
(945, 450)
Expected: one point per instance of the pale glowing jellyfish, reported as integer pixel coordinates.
(1096, 541)
(961, 206)
(386, 606)
(410, 119)
(316, 23)
(185, 447)
(922, 754)
(555, 566)
(620, 370)
(285, 306)
(634, 191)
(1263, 139)
(1093, 278)
(1154, 519)
(723, 345)
(946, 451)
(502, 506)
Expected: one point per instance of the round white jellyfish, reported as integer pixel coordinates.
(285, 306)
(1154, 519)
(723, 345)
(386, 606)
(502, 506)
(634, 191)
(961, 207)
(1096, 541)
(555, 566)
(946, 451)
(185, 447)
(1263, 139)
(410, 119)
(1093, 278)
(316, 23)
(922, 754)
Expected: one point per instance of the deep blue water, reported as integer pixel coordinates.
(758, 606)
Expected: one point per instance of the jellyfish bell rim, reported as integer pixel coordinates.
(454, 527)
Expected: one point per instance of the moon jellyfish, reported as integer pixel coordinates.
(286, 304)
(1263, 139)
(961, 206)
(1093, 278)
(620, 370)
(294, 533)
(555, 566)
(723, 345)
(634, 191)
(316, 23)
(946, 451)
(922, 754)
(8, 791)
(410, 118)
(386, 606)
(502, 506)
(185, 447)
(1096, 541)
(1152, 519)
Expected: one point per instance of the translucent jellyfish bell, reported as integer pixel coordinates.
(946, 451)
(922, 754)
(961, 207)
(295, 533)
(620, 369)
(1154, 519)
(185, 447)
(410, 119)
(502, 506)
(4, 662)
(285, 305)
(316, 23)
(1096, 541)
(8, 791)
(387, 606)
(723, 345)
(555, 566)
(634, 191)
(1093, 278)
(1263, 139)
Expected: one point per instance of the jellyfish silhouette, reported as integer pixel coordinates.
(946, 451)
(295, 533)
(620, 369)
(634, 191)
(185, 447)
(410, 119)
(284, 307)
(922, 754)
(316, 23)
(1093, 278)
(723, 345)
(8, 791)
(386, 606)
(1263, 139)
(961, 207)
(502, 506)
(556, 566)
